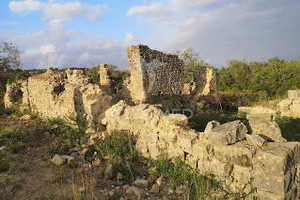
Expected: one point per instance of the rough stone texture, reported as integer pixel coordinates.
(63, 94)
(13, 94)
(105, 80)
(273, 168)
(155, 74)
(290, 106)
(263, 124)
(256, 110)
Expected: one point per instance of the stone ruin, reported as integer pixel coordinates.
(60, 94)
(157, 75)
(262, 160)
(289, 107)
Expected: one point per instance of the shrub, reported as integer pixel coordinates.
(199, 185)
(4, 163)
(120, 145)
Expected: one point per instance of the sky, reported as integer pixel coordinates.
(85, 33)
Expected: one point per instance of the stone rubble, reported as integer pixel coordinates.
(243, 162)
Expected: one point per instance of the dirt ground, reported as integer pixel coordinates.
(31, 174)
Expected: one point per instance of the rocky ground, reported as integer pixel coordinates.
(30, 169)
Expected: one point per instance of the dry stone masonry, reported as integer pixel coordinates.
(242, 161)
(289, 107)
(61, 94)
(155, 74)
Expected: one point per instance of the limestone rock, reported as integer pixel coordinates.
(263, 124)
(255, 140)
(134, 191)
(109, 172)
(58, 160)
(141, 183)
(228, 133)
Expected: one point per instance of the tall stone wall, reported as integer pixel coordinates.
(154, 73)
(240, 160)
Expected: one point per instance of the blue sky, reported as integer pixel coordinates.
(68, 33)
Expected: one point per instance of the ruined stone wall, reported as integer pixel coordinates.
(242, 161)
(63, 94)
(105, 79)
(291, 105)
(154, 73)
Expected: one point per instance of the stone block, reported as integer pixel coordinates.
(293, 94)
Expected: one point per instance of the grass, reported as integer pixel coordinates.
(4, 163)
(70, 132)
(119, 145)
(179, 173)
(199, 121)
(290, 128)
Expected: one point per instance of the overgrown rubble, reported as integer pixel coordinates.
(263, 160)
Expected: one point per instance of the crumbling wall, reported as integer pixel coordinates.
(240, 160)
(62, 94)
(291, 105)
(13, 94)
(154, 73)
(105, 79)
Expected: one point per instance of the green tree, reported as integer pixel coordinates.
(9, 57)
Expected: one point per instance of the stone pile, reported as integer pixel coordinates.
(240, 160)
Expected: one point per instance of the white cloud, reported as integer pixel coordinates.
(226, 29)
(25, 6)
(53, 10)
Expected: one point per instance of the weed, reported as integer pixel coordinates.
(4, 163)
(290, 128)
(119, 145)
(199, 121)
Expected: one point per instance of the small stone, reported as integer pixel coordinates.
(2, 148)
(54, 126)
(69, 159)
(58, 160)
(84, 151)
(155, 189)
(111, 193)
(159, 181)
(119, 176)
(109, 173)
(97, 163)
(134, 191)
(26, 117)
(141, 183)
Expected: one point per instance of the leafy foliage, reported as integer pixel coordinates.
(9, 57)
(274, 77)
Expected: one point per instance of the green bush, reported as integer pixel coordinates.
(199, 185)
(199, 121)
(120, 145)
(274, 77)
(290, 128)
(4, 163)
